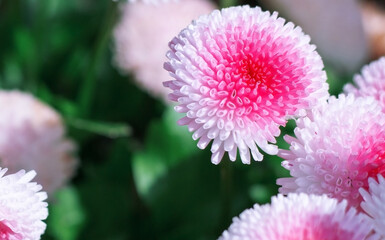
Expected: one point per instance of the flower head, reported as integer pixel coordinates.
(239, 74)
(142, 34)
(336, 149)
(300, 217)
(371, 82)
(22, 206)
(32, 138)
(373, 203)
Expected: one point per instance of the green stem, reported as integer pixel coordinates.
(226, 172)
(86, 92)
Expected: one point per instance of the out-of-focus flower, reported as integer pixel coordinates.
(142, 35)
(373, 203)
(300, 217)
(373, 18)
(336, 149)
(371, 82)
(334, 26)
(240, 73)
(22, 206)
(32, 138)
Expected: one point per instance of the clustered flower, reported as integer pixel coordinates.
(300, 217)
(238, 75)
(22, 206)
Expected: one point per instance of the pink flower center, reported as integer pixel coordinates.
(257, 78)
(6, 233)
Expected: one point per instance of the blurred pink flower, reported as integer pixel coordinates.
(239, 74)
(155, 2)
(22, 206)
(374, 203)
(32, 138)
(371, 82)
(300, 217)
(373, 18)
(336, 149)
(142, 35)
(334, 26)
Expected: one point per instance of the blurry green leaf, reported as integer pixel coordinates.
(166, 144)
(13, 75)
(107, 129)
(260, 193)
(66, 216)
(25, 45)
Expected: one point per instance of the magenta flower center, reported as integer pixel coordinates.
(6, 233)
(256, 79)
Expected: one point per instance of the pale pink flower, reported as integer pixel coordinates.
(300, 217)
(336, 149)
(334, 26)
(374, 203)
(22, 206)
(239, 74)
(371, 82)
(142, 35)
(32, 138)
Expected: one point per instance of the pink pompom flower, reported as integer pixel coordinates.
(371, 82)
(22, 206)
(336, 149)
(239, 74)
(300, 217)
(374, 203)
(33, 138)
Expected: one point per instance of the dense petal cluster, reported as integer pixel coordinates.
(371, 82)
(142, 34)
(22, 206)
(300, 217)
(32, 138)
(374, 203)
(239, 74)
(336, 149)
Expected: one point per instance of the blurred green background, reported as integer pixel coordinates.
(141, 175)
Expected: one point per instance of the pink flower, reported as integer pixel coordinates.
(32, 138)
(300, 217)
(239, 74)
(336, 149)
(142, 34)
(371, 82)
(373, 203)
(22, 206)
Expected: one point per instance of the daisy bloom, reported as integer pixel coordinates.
(300, 217)
(371, 82)
(336, 149)
(32, 138)
(142, 34)
(239, 74)
(373, 203)
(22, 206)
